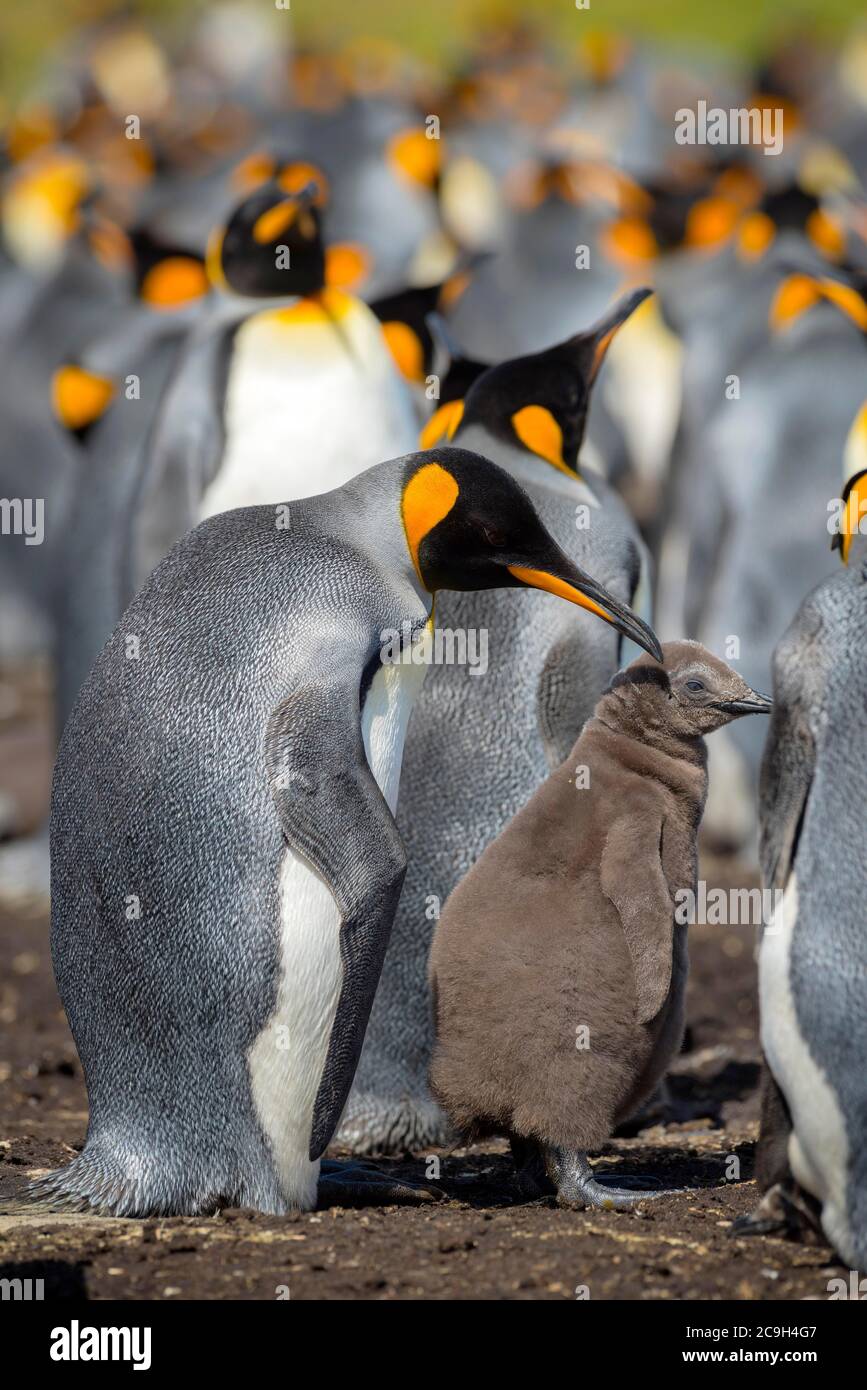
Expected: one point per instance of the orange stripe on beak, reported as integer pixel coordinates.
(538, 579)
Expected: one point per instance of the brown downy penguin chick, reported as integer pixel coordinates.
(567, 923)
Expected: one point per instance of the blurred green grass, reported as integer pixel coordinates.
(32, 32)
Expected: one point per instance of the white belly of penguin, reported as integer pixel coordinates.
(287, 1059)
(306, 410)
(818, 1145)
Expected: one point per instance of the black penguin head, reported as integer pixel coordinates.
(469, 525)
(538, 402)
(271, 245)
(686, 694)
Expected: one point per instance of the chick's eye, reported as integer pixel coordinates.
(695, 685)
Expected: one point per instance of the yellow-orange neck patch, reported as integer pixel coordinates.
(347, 264)
(800, 292)
(79, 397)
(414, 156)
(539, 432)
(442, 425)
(428, 497)
(406, 348)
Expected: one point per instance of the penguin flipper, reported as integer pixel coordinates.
(647, 918)
(785, 780)
(183, 455)
(334, 815)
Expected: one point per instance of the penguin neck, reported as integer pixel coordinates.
(638, 723)
(370, 519)
(527, 468)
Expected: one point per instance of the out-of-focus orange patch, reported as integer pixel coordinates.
(406, 348)
(347, 265)
(79, 397)
(174, 281)
(414, 156)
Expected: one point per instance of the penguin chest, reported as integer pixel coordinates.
(818, 1145)
(310, 402)
(287, 1059)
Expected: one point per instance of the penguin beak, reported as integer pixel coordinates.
(573, 584)
(754, 703)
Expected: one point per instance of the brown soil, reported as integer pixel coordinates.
(477, 1244)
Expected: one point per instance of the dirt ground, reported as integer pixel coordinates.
(476, 1244)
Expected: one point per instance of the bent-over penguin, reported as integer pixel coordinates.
(559, 965)
(225, 861)
(492, 734)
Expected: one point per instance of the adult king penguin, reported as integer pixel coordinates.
(225, 861)
(286, 389)
(811, 1165)
(492, 737)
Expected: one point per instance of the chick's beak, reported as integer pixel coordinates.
(754, 703)
(571, 583)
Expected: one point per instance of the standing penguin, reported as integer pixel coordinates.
(811, 1164)
(492, 736)
(225, 861)
(570, 922)
(286, 389)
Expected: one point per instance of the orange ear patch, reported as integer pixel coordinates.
(428, 497)
(629, 239)
(406, 349)
(275, 221)
(710, 222)
(826, 234)
(175, 280)
(539, 432)
(755, 235)
(256, 169)
(293, 177)
(442, 424)
(79, 397)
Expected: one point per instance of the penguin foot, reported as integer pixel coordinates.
(374, 1124)
(578, 1186)
(785, 1210)
(530, 1174)
(352, 1184)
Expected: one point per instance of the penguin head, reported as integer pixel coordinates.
(271, 246)
(688, 693)
(469, 525)
(538, 403)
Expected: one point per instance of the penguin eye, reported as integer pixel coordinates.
(695, 685)
(494, 537)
